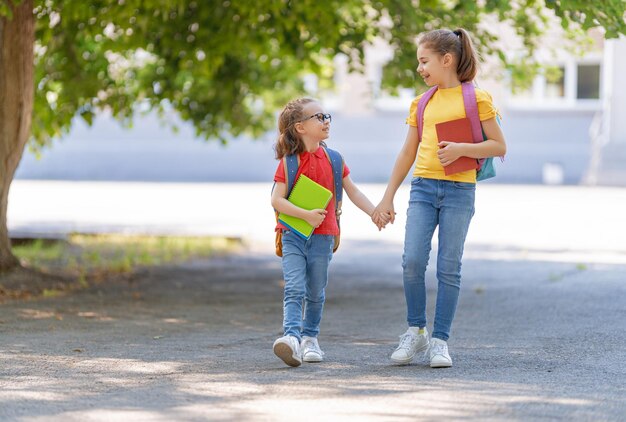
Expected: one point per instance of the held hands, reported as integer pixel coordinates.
(448, 152)
(315, 217)
(381, 220)
(383, 214)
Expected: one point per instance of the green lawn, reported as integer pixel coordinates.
(87, 258)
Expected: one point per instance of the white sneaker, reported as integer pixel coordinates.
(311, 351)
(288, 349)
(439, 357)
(410, 344)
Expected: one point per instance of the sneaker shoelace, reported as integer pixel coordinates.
(438, 349)
(313, 346)
(406, 341)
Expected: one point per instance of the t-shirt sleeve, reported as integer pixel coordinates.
(411, 120)
(279, 176)
(346, 170)
(486, 109)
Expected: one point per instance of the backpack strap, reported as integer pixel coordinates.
(291, 163)
(471, 110)
(336, 162)
(421, 106)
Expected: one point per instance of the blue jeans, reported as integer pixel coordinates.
(305, 269)
(449, 205)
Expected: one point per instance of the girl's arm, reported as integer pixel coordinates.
(360, 200)
(492, 147)
(357, 197)
(404, 162)
(281, 204)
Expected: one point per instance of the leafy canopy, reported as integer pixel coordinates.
(226, 66)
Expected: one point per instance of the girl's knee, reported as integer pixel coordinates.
(316, 298)
(452, 279)
(294, 292)
(413, 266)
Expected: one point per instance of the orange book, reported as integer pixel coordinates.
(457, 131)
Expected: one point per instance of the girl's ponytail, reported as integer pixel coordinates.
(468, 59)
(459, 44)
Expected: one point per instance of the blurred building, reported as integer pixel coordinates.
(569, 127)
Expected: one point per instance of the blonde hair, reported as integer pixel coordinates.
(459, 44)
(289, 141)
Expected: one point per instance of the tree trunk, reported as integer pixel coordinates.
(17, 38)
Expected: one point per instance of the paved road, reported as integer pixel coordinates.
(539, 332)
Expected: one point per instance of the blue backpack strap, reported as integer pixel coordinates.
(337, 164)
(290, 165)
(291, 169)
(336, 161)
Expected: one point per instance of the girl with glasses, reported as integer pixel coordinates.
(303, 127)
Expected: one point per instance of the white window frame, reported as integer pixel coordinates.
(538, 101)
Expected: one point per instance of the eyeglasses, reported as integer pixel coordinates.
(321, 117)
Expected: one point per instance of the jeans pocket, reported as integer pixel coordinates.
(416, 180)
(464, 185)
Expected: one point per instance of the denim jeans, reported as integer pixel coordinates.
(305, 269)
(449, 205)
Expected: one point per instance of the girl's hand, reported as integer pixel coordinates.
(448, 152)
(315, 217)
(381, 220)
(385, 207)
(383, 214)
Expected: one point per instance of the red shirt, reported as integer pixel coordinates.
(317, 167)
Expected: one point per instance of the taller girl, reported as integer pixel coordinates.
(446, 60)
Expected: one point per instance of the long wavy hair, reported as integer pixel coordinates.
(289, 141)
(459, 44)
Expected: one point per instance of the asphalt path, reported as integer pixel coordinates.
(539, 332)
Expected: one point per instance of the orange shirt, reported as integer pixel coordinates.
(315, 165)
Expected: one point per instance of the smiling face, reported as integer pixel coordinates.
(433, 67)
(314, 124)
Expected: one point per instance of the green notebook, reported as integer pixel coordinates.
(309, 195)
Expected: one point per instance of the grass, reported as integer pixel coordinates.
(86, 256)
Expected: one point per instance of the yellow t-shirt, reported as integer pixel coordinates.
(444, 105)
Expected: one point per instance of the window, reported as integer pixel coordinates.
(574, 83)
(588, 83)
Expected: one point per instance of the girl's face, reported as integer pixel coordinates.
(432, 66)
(315, 123)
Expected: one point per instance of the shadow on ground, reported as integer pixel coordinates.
(532, 340)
